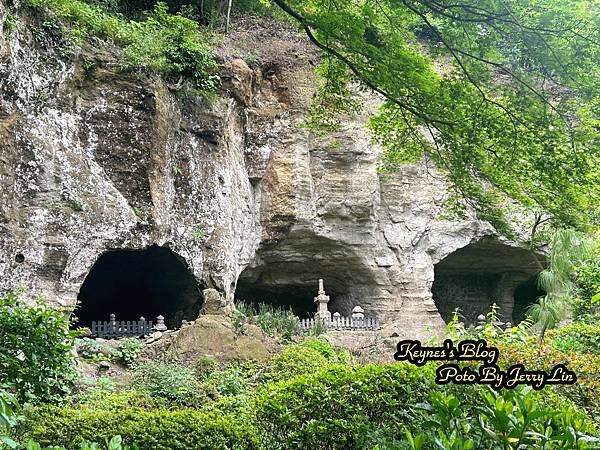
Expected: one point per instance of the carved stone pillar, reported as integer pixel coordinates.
(321, 300)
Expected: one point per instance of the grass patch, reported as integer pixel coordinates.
(270, 319)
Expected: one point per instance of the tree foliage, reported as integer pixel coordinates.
(569, 250)
(501, 94)
(35, 351)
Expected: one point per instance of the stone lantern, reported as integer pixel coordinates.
(321, 300)
(358, 312)
(160, 324)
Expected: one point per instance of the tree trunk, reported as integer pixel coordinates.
(228, 16)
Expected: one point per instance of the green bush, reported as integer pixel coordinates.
(509, 419)
(168, 44)
(106, 400)
(169, 382)
(8, 418)
(294, 360)
(309, 356)
(35, 351)
(586, 306)
(337, 407)
(89, 349)
(324, 347)
(576, 337)
(128, 350)
(232, 381)
(159, 429)
(171, 45)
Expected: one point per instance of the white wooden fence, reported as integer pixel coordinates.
(342, 323)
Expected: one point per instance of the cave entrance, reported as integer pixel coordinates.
(286, 274)
(485, 272)
(526, 295)
(135, 283)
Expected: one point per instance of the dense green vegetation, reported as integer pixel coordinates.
(270, 319)
(35, 350)
(502, 96)
(164, 43)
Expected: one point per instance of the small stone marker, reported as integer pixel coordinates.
(481, 320)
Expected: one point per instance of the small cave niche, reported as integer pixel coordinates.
(135, 283)
(482, 273)
(526, 294)
(286, 274)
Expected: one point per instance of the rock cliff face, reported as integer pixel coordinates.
(234, 192)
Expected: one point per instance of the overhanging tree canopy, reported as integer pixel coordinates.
(503, 95)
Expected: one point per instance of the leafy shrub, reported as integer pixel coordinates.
(308, 356)
(158, 429)
(8, 418)
(323, 346)
(587, 276)
(509, 419)
(336, 407)
(232, 381)
(128, 350)
(585, 393)
(204, 366)
(576, 337)
(294, 360)
(168, 44)
(35, 351)
(238, 318)
(169, 382)
(272, 320)
(106, 400)
(88, 349)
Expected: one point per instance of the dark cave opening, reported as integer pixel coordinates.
(470, 292)
(526, 295)
(297, 297)
(136, 283)
(286, 274)
(482, 273)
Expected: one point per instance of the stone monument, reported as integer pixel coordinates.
(321, 300)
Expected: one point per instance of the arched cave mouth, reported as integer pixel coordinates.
(485, 272)
(526, 294)
(286, 274)
(135, 283)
